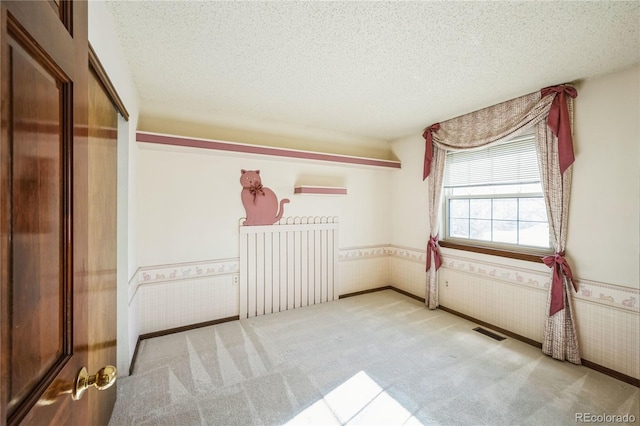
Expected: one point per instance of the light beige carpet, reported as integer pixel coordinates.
(380, 358)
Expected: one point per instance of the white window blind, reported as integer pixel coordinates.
(514, 162)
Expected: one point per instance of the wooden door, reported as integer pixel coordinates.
(102, 247)
(44, 211)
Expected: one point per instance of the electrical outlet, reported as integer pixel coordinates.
(446, 283)
(235, 279)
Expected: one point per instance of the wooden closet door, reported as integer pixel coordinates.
(102, 245)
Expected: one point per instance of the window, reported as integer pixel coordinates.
(493, 197)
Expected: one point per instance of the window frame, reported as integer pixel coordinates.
(513, 251)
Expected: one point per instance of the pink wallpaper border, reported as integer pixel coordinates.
(159, 274)
(363, 252)
(537, 277)
(611, 295)
(261, 150)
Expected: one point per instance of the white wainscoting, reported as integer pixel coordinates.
(408, 270)
(175, 295)
(363, 268)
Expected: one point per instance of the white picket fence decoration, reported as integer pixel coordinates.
(288, 265)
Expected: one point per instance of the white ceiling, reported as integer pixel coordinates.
(376, 70)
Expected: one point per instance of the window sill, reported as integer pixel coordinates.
(512, 254)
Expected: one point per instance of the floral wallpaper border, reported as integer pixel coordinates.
(182, 271)
(364, 252)
(624, 298)
(538, 276)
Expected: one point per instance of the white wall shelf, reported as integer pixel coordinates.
(319, 190)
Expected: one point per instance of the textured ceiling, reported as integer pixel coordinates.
(378, 70)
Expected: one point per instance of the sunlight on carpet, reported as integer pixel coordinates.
(359, 400)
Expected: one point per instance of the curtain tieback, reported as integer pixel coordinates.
(560, 267)
(432, 247)
(428, 148)
(559, 123)
(254, 189)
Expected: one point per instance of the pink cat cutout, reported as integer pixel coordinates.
(260, 203)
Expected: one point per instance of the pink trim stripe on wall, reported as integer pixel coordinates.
(262, 150)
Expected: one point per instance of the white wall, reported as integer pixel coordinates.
(190, 206)
(603, 244)
(105, 43)
(410, 215)
(604, 220)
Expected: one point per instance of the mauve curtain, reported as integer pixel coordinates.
(492, 125)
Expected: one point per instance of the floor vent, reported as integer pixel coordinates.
(489, 333)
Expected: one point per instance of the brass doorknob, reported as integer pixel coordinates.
(103, 379)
